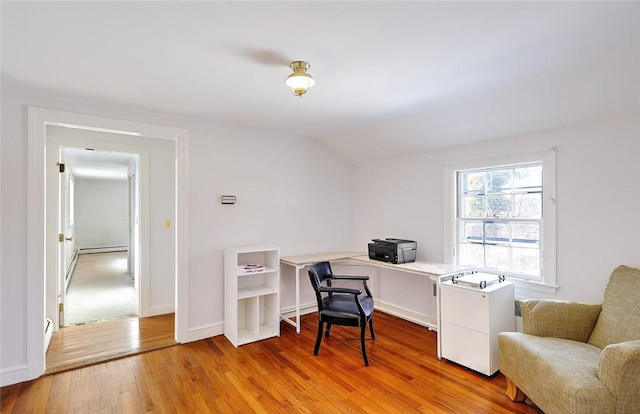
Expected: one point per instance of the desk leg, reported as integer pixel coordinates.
(436, 281)
(298, 268)
(290, 321)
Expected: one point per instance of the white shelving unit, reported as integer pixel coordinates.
(251, 300)
(471, 319)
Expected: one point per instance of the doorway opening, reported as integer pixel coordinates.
(42, 227)
(100, 221)
(99, 217)
(94, 168)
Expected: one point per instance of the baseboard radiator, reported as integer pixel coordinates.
(71, 267)
(103, 249)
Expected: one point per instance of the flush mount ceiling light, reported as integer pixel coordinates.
(300, 81)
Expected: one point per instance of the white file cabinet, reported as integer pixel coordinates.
(471, 319)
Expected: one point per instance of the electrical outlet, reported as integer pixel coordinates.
(168, 224)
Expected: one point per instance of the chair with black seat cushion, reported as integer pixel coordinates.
(341, 305)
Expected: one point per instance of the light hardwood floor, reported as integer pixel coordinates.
(278, 375)
(82, 345)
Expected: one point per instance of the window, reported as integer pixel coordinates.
(501, 216)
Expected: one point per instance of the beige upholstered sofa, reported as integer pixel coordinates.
(578, 358)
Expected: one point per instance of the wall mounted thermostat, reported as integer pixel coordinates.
(228, 199)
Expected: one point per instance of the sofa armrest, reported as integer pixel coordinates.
(619, 370)
(559, 319)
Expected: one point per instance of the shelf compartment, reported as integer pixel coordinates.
(253, 291)
(245, 336)
(257, 319)
(269, 318)
(257, 283)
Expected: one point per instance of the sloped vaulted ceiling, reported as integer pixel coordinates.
(392, 77)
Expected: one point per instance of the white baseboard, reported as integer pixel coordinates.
(215, 329)
(14, 375)
(205, 331)
(103, 249)
(158, 310)
(290, 312)
(409, 315)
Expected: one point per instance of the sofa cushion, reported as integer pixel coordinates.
(559, 319)
(619, 320)
(559, 375)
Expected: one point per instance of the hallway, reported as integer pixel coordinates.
(101, 289)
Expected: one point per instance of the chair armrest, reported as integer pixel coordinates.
(333, 289)
(362, 278)
(345, 277)
(559, 319)
(619, 371)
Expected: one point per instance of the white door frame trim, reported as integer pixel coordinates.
(38, 119)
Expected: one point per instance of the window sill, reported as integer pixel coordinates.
(535, 288)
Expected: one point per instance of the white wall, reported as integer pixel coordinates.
(598, 207)
(101, 213)
(292, 192)
(297, 194)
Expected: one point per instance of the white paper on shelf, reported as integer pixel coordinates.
(250, 268)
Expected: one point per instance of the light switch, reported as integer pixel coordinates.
(168, 224)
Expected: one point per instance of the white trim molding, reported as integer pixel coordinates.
(38, 120)
(548, 158)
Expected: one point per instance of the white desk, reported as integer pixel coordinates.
(299, 263)
(436, 272)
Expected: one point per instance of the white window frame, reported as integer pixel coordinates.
(547, 157)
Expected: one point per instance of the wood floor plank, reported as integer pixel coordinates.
(275, 375)
(82, 345)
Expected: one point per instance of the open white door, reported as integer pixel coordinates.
(132, 265)
(63, 238)
(67, 248)
(55, 219)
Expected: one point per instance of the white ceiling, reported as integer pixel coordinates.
(88, 163)
(392, 78)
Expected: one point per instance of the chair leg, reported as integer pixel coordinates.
(362, 345)
(513, 392)
(326, 334)
(318, 338)
(373, 336)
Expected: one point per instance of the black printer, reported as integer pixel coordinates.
(395, 251)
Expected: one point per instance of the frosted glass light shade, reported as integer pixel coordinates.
(299, 81)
